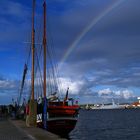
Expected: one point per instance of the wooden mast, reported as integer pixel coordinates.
(32, 103)
(44, 86)
(33, 51)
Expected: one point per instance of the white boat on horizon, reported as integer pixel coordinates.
(110, 106)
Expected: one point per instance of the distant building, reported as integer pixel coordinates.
(138, 99)
(136, 104)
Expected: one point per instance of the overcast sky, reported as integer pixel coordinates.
(97, 46)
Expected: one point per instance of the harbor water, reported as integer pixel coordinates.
(119, 124)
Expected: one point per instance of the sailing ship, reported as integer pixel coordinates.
(50, 112)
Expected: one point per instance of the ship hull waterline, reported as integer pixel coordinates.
(60, 126)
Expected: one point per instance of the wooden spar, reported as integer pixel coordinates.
(44, 44)
(33, 51)
(66, 97)
(31, 120)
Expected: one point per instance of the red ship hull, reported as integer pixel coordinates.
(61, 118)
(63, 110)
(61, 126)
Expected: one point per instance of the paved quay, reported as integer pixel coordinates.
(9, 132)
(17, 130)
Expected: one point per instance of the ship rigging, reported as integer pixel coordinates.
(46, 109)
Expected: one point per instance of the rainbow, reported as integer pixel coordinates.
(87, 29)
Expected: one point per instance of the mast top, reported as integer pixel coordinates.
(44, 3)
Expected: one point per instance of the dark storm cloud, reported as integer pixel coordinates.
(113, 46)
(107, 55)
(67, 26)
(109, 52)
(14, 20)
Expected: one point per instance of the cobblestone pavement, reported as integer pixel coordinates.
(9, 132)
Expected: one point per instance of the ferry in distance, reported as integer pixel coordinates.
(111, 106)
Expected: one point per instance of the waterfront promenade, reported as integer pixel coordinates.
(17, 130)
(9, 132)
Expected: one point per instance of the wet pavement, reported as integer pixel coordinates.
(8, 131)
(17, 130)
